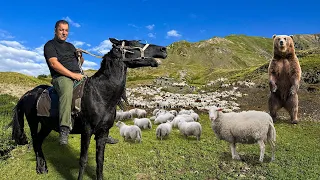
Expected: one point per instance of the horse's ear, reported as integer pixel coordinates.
(114, 41)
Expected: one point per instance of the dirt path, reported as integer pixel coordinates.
(13, 89)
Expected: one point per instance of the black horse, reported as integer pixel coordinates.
(102, 92)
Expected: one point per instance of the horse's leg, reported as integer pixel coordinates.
(85, 142)
(37, 139)
(100, 147)
(42, 164)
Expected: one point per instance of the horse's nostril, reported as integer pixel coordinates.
(163, 49)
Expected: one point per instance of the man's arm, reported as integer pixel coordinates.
(57, 66)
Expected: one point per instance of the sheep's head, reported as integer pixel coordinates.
(119, 123)
(213, 112)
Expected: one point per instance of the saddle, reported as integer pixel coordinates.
(48, 101)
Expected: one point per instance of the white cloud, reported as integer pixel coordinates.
(173, 33)
(89, 65)
(13, 44)
(18, 58)
(133, 25)
(150, 27)
(152, 35)
(104, 47)
(72, 22)
(89, 45)
(78, 43)
(6, 35)
(15, 57)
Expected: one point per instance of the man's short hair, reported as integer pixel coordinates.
(60, 22)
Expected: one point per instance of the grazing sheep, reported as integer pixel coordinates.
(164, 130)
(195, 116)
(184, 117)
(152, 118)
(123, 115)
(133, 112)
(190, 129)
(174, 112)
(163, 118)
(247, 127)
(129, 132)
(155, 111)
(142, 123)
(161, 111)
(141, 113)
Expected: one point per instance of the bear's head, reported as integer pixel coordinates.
(283, 44)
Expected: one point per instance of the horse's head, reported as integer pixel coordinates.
(136, 54)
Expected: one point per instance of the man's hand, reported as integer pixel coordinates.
(77, 76)
(79, 52)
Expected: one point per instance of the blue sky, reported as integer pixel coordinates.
(25, 26)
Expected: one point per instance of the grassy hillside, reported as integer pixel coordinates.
(234, 57)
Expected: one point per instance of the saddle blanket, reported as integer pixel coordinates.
(48, 101)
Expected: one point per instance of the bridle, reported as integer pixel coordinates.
(126, 49)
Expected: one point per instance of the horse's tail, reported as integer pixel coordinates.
(18, 134)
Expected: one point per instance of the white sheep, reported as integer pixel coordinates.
(123, 115)
(174, 112)
(129, 132)
(247, 127)
(154, 112)
(152, 118)
(133, 112)
(179, 117)
(142, 123)
(164, 130)
(141, 113)
(195, 116)
(190, 129)
(163, 118)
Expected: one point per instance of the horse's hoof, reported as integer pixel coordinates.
(42, 170)
(294, 122)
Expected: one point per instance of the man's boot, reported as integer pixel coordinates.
(64, 133)
(111, 140)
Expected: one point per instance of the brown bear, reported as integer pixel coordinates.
(284, 78)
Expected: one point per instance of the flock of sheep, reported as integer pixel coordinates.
(243, 127)
(184, 120)
(151, 97)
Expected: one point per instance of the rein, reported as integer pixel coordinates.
(124, 49)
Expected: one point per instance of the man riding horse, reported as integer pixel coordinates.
(62, 60)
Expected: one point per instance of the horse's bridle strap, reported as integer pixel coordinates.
(124, 49)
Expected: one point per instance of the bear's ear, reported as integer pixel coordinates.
(274, 36)
(291, 37)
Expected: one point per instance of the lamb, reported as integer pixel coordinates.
(174, 112)
(154, 112)
(195, 116)
(184, 117)
(129, 132)
(123, 115)
(162, 118)
(141, 113)
(142, 123)
(190, 129)
(247, 127)
(164, 130)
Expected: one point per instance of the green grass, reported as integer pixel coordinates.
(17, 78)
(297, 157)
